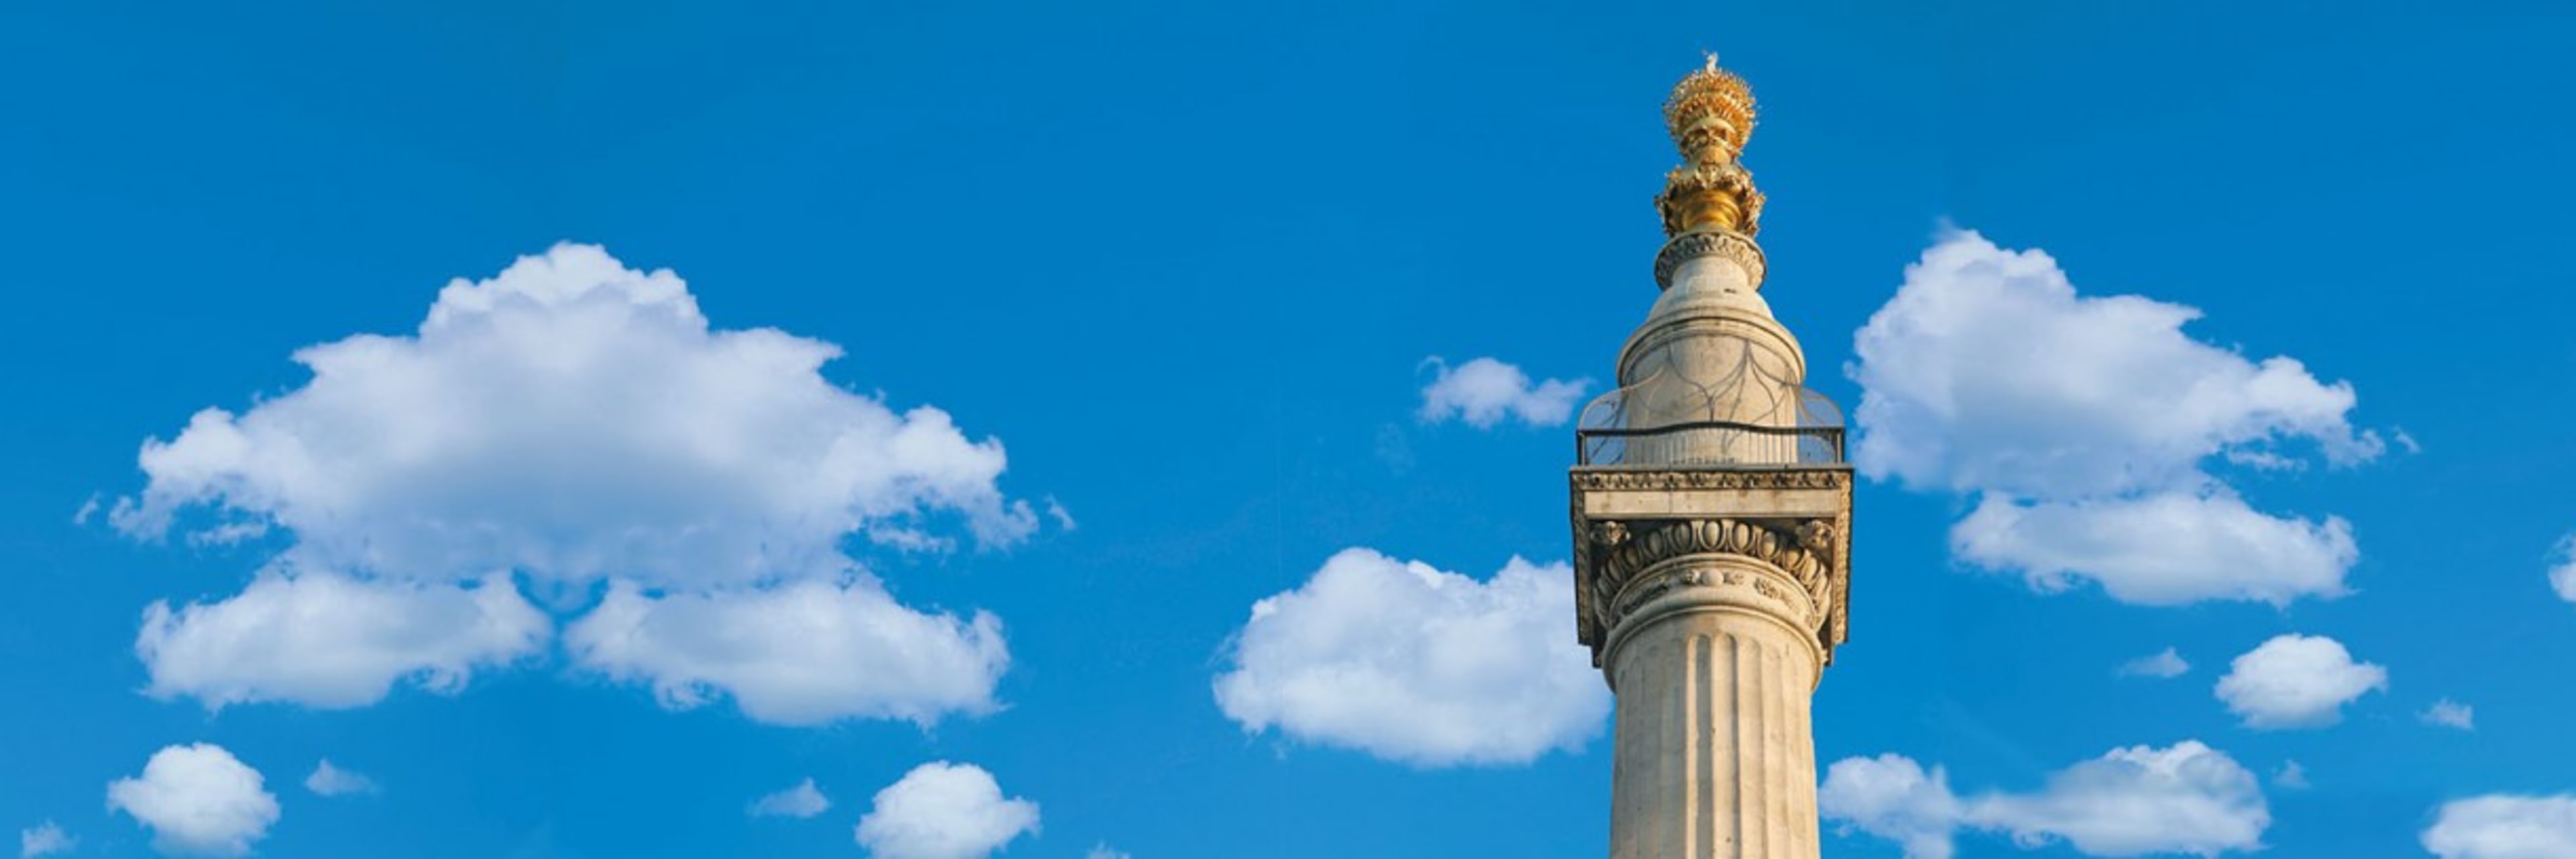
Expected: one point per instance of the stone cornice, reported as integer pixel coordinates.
(1803, 477)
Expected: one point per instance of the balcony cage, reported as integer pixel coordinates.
(1746, 418)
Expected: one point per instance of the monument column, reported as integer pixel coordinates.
(1711, 508)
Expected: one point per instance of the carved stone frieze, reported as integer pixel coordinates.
(1801, 478)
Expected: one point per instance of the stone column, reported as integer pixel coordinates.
(1714, 751)
(1712, 600)
(1712, 552)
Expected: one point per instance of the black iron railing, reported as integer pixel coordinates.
(1709, 443)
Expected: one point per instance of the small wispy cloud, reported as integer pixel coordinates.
(802, 801)
(1394, 449)
(2562, 572)
(2450, 714)
(328, 780)
(2166, 665)
(45, 839)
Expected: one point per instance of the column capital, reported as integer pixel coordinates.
(1790, 525)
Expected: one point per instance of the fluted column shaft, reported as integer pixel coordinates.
(1715, 753)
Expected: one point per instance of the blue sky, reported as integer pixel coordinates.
(1175, 270)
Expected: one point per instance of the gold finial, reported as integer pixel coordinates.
(1710, 115)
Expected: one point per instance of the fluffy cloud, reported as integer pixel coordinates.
(944, 811)
(1890, 796)
(2166, 665)
(2297, 681)
(328, 640)
(2188, 798)
(570, 422)
(797, 654)
(2087, 425)
(197, 799)
(2162, 549)
(803, 800)
(45, 839)
(1484, 391)
(1417, 665)
(328, 780)
(2451, 714)
(575, 419)
(2504, 827)
(2185, 799)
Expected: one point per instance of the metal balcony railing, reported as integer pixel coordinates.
(1704, 443)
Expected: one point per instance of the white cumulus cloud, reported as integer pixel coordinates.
(197, 800)
(570, 422)
(2297, 681)
(2187, 798)
(802, 801)
(1485, 391)
(1413, 664)
(942, 810)
(328, 780)
(2086, 426)
(2504, 827)
(796, 654)
(1890, 796)
(2162, 549)
(44, 839)
(2165, 665)
(328, 640)
(575, 419)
